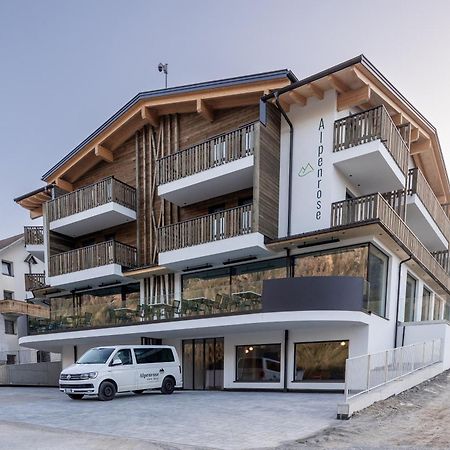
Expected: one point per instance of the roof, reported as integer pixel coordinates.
(10, 240)
(226, 82)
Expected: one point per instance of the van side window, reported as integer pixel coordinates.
(125, 356)
(153, 355)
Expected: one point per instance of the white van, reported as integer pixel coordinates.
(104, 371)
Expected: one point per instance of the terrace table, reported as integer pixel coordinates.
(248, 299)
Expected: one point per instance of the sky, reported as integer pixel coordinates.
(67, 66)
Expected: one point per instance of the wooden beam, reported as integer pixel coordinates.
(338, 84)
(398, 119)
(297, 98)
(316, 90)
(204, 110)
(35, 213)
(415, 135)
(104, 153)
(151, 116)
(64, 185)
(356, 97)
(420, 147)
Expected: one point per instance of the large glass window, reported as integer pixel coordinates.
(320, 361)
(377, 278)
(340, 262)
(426, 304)
(437, 308)
(366, 261)
(258, 363)
(230, 288)
(410, 299)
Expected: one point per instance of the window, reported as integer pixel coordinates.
(410, 299)
(125, 356)
(96, 356)
(153, 355)
(7, 268)
(377, 278)
(8, 295)
(43, 356)
(426, 304)
(10, 327)
(10, 359)
(437, 308)
(258, 363)
(320, 361)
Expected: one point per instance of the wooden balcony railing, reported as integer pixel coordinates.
(417, 184)
(443, 258)
(34, 235)
(213, 152)
(34, 281)
(213, 227)
(374, 208)
(368, 126)
(97, 194)
(97, 255)
(22, 308)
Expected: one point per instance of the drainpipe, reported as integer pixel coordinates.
(398, 299)
(291, 152)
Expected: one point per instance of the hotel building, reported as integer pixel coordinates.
(266, 226)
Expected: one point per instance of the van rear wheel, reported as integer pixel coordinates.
(138, 392)
(106, 391)
(168, 385)
(76, 396)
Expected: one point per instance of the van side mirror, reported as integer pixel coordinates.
(116, 362)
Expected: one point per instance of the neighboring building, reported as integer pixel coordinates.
(17, 266)
(195, 217)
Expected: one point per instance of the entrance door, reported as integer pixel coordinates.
(203, 363)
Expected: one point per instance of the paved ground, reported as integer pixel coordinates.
(43, 418)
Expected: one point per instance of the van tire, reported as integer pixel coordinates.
(106, 391)
(168, 385)
(138, 392)
(76, 396)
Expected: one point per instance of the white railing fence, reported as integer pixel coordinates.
(367, 372)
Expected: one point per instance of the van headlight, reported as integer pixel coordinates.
(86, 376)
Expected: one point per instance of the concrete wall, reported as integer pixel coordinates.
(35, 374)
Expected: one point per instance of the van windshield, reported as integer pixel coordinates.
(96, 356)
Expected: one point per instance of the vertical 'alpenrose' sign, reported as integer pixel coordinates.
(319, 171)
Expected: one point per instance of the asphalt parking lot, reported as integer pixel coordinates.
(44, 418)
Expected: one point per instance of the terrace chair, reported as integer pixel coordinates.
(85, 320)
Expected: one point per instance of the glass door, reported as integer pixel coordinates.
(203, 364)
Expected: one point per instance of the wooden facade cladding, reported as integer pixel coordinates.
(23, 308)
(34, 235)
(266, 179)
(34, 281)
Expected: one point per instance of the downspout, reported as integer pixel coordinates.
(286, 352)
(291, 155)
(398, 299)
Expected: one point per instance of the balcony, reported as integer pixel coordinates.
(22, 308)
(424, 214)
(215, 167)
(34, 281)
(98, 206)
(369, 150)
(34, 241)
(375, 208)
(212, 239)
(91, 266)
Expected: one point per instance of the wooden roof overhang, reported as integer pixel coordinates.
(34, 200)
(359, 84)
(147, 108)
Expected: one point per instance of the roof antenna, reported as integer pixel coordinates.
(163, 68)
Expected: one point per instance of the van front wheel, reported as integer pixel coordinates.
(168, 385)
(106, 391)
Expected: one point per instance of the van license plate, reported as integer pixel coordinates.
(68, 391)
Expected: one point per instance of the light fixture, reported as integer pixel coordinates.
(165, 69)
(202, 266)
(238, 260)
(343, 343)
(246, 350)
(250, 348)
(311, 244)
